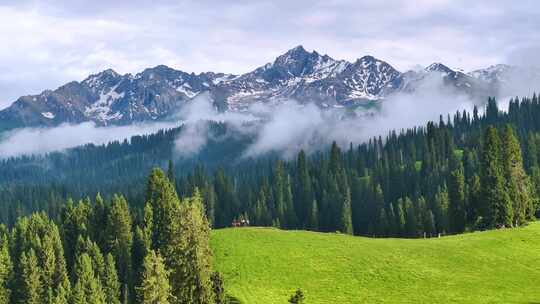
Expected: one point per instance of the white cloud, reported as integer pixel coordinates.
(44, 140)
(291, 128)
(288, 127)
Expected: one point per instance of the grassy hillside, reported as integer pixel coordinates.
(265, 266)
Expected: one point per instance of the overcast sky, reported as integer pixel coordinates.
(48, 43)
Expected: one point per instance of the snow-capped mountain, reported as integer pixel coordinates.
(310, 77)
(110, 98)
(506, 80)
(156, 93)
(491, 74)
(452, 81)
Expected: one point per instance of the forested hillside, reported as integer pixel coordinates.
(44, 182)
(467, 171)
(99, 252)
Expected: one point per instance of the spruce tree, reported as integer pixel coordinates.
(164, 205)
(378, 210)
(518, 185)
(110, 282)
(75, 219)
(98, 219)
(531, 159)
(291, 219)
(38, 234)
(496, 205)
(189, 255)
(31, 287)
(120, 240)
(411, 223)
(154, 287)
(429, 222)
(141, 247)
(304, 192)
(492, 111)
(313, 219)
(382, 223)
(456, 194)
(400, 218)
(279, 192)
(88, 287)
(474, 206)
(170, 173)
(6, 266)
(210, 199)
(345, 225)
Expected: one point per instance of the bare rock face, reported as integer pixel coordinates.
(156, 93)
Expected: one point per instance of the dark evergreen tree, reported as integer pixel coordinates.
(313, 219)
(189, 255)
(518, 185)
(31, 289)
(345, 224)
(87, 288)
(496, 205)
(120, 241)
(110, 282)
(456, 193)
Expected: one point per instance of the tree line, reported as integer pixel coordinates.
(468, 171)
(104, 252)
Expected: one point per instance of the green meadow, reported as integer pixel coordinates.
(265, 266)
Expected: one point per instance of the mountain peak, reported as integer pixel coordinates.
(105, 73)
(297, 53)
(298, 49)
(438, 67)
(161, 67)
(367, 58)
(111, 72)
(107, 76)
(491, 73)
(369, 61)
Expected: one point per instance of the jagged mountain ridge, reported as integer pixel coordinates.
(108, 97)
(155, 93)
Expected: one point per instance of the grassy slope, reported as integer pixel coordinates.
(263, 265)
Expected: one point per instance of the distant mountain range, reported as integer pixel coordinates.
(156, 93)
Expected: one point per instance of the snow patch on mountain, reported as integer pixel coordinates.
(101, 109)
(187, 90)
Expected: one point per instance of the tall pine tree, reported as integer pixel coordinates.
(518, 185)
(154, 288)
(496, 205)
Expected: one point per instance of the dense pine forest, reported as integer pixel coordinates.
(98, 252)
(468, 171)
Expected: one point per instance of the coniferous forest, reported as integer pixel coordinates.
(149, 242)
(468, 171)
(100, 252)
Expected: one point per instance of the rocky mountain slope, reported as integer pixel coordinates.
(155, 93)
